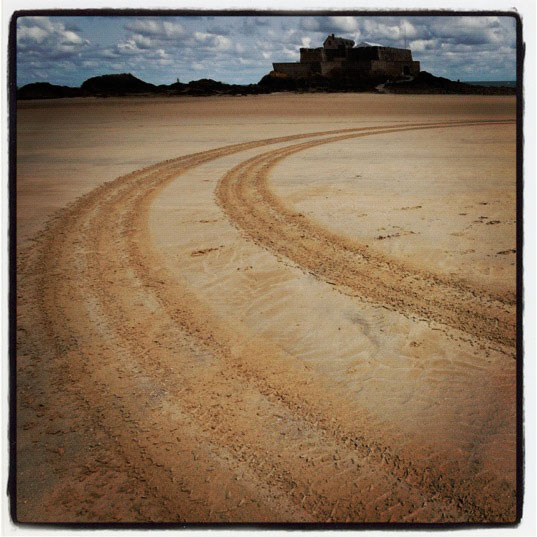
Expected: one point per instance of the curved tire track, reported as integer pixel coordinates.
(105, 306)
(244, 195)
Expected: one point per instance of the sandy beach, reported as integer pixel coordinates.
(274, 308)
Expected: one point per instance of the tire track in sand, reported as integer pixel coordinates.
(245, 196)
(105, 305)
(270, 369)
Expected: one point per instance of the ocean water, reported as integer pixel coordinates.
(508, 83)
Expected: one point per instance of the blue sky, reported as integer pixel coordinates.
(68, 50)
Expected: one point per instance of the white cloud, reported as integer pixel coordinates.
(248, 61)
(330, 24)
(161, 54)
(36, 32)
(33, 33)
(344, 24)
(156, 28)
(128, 47)
(421, 45)
(216, 42)
(471, 30)
(222, 43)
(142, 41)
(71, 37)
(41, 22)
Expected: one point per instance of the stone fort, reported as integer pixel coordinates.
(340, 56)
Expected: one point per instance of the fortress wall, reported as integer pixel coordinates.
(327, 67)
(296, 70)
(363, 53)
(394, 54)
(394, 68)
(332, 54)
(356, 68)
(311, 55)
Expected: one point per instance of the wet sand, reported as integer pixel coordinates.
(285, 308)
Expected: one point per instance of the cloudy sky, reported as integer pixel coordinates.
(68, 50)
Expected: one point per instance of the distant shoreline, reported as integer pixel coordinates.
(125, 84)
(492, 83)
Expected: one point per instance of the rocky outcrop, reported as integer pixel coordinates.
(425, 82)
(44, 90)
(122, 84)
(339, 81)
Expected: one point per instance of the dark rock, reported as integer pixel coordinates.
(122, 84)
(425, 82)
(44, 90)
(338, 81)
